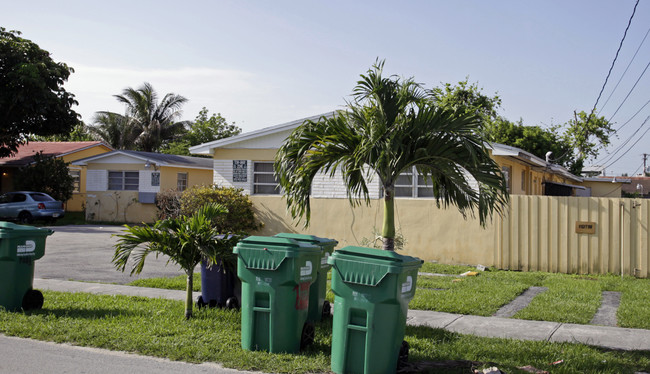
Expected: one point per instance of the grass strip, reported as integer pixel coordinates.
(155, 327)
(172, 283)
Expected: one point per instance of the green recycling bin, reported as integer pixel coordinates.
(20, 246)
(318, 306)
(276, 275)
(372, 289)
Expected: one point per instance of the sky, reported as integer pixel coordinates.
(263, 63)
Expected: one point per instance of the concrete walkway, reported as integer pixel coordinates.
(493, 327)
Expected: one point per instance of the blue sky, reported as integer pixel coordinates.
(261, 63)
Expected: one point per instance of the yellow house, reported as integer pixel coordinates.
(68, 151)
(122, 185)
(433, 233)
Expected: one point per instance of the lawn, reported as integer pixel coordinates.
(569, 299)
(156, 327)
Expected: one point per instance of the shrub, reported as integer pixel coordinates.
(168, 204)
(240, 217)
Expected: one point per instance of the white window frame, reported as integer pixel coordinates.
(76, 180)
(182, 183)
(123, 180)
(276, 191)
(417, 186)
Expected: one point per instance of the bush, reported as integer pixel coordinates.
(47, 174)
(168, 204)
(240, 217)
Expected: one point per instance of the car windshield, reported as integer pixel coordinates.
(40, 197)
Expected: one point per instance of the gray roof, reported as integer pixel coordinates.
(160, 159)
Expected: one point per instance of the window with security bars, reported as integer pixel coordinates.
(123, 180)
(76, 180)
(264, 180)
(407, 185)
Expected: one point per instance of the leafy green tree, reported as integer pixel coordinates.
(80, 133)
(148, 124)
(390, 126)
(46, 174)
(204, 129)
(32, 97)
(468, 98)
(186, 240)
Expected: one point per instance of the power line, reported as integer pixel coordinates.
(613, 62)
(632, 146)
(634, 115)
(626, 69)
(620, 147)
(628, 94)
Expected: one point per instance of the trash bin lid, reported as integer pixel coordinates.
(368, 266)
(313, 239)
(268, 252)
(11, 230)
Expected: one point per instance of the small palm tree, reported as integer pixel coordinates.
(391, 126)
(185, 240)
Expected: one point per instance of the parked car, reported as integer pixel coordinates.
(27, 206)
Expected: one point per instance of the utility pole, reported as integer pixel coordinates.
(645, 157)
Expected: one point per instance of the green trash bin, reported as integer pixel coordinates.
(276, 275)
(318, 306)
(20, 246)
(372, 289)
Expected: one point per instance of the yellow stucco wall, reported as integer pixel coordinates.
(432, 233)
(122, 206)
(77, 202)
(603, 189)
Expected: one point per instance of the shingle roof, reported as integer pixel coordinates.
(26, 152)
(161, 159)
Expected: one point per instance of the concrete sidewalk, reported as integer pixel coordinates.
(493, 327)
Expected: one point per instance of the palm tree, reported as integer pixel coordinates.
(390, 126)
(147, 124)
(185, 240)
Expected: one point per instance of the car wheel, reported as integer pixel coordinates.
(25, 218)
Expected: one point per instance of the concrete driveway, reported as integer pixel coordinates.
(84, 253)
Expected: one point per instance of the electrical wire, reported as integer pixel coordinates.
(628, 94)
(632, 146)
(626, 69)
(613, 62)
(620, 147)
(637, 169)
(634, 115)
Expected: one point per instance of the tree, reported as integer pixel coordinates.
(32, 97)
(79, 133)
(469, 98)
(148, 125)
(202, 130)
(390, 126)
(186, 240)
(46, 174)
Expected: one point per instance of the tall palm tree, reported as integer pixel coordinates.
(390, 126)
(147, 124)
(185, 240)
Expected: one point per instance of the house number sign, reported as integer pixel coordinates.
(239, 170)
(585, 227)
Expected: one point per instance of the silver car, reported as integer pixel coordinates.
(28, 206)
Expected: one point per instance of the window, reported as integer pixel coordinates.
(505, 170)
(123, 180)
(523, 181)
(181, 181)
(408, 186)
(41, 197)
(264, 181)
(155, 178)
(76, 179)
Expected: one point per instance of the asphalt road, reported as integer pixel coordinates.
(84, 253)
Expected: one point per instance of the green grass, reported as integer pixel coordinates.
(156, 327)
(173, 283)
(569, 299)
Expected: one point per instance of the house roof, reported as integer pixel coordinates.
(206, 148)
(26, 152)
(158, 159)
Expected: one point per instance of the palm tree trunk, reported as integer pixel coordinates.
(388, 229)
(188, 293)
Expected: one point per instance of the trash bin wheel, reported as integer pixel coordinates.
(307, 336)
(232, 303)
(33, 299)
(200, 303)
(403, 356)
(327, 309)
